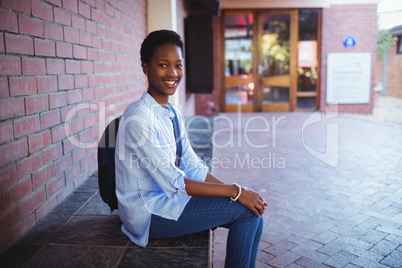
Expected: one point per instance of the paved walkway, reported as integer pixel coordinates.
(333, 202)
(386, 109)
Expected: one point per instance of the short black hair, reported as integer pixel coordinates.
(157, 39)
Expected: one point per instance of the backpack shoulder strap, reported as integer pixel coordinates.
(177, 135)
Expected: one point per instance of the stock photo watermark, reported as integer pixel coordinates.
(235, 132)
(240, 160)
(330, 156)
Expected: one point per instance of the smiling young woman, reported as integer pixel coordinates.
(164, 71)
(159, 200)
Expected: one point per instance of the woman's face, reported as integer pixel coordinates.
(164, 71)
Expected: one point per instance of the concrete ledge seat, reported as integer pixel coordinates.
(81, 232)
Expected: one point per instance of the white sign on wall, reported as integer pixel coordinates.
(348, 77)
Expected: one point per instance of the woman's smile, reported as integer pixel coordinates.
(170, 83)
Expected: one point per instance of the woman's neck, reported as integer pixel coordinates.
(159, 98)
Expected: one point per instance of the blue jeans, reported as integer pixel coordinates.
(202, 213)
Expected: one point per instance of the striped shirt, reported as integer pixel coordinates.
(147, 179)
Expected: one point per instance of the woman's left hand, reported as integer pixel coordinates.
(253, 201)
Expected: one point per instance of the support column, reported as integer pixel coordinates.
(384, 73)
(162, 14)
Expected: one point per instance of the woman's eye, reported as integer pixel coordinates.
(179, 66)
(162, 65)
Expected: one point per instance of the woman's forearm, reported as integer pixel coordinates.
(211, 188)
(213, 179)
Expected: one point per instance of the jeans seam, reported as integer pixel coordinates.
(242, 238)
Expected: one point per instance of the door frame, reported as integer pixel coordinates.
(293, 33)
(246, 107)
(257, 78)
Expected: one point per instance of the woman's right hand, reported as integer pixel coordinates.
(253, 201)
(214, 187)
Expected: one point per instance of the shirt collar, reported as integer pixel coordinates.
(156, 108)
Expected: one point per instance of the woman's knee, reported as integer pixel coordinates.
(253, 219)
(260, 225)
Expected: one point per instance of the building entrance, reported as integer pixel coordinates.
(271, 60)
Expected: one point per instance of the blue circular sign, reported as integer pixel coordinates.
(349, 41)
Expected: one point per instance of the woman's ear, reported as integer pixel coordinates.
(144, 67)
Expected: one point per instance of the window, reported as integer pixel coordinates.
(399, 45)
(307, 67)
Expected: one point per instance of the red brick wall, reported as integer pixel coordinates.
(394, 71)
(209, 104)
(58, 56)
(338, 21)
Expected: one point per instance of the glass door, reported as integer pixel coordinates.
(276, 60)
(239, 73)
(271, 61)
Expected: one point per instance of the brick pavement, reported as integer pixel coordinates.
(345, 215)
(386, 109)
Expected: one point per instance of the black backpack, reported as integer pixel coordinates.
(106, 165)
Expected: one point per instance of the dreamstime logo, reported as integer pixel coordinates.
(331, 154)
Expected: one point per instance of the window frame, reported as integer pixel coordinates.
(399, 45)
